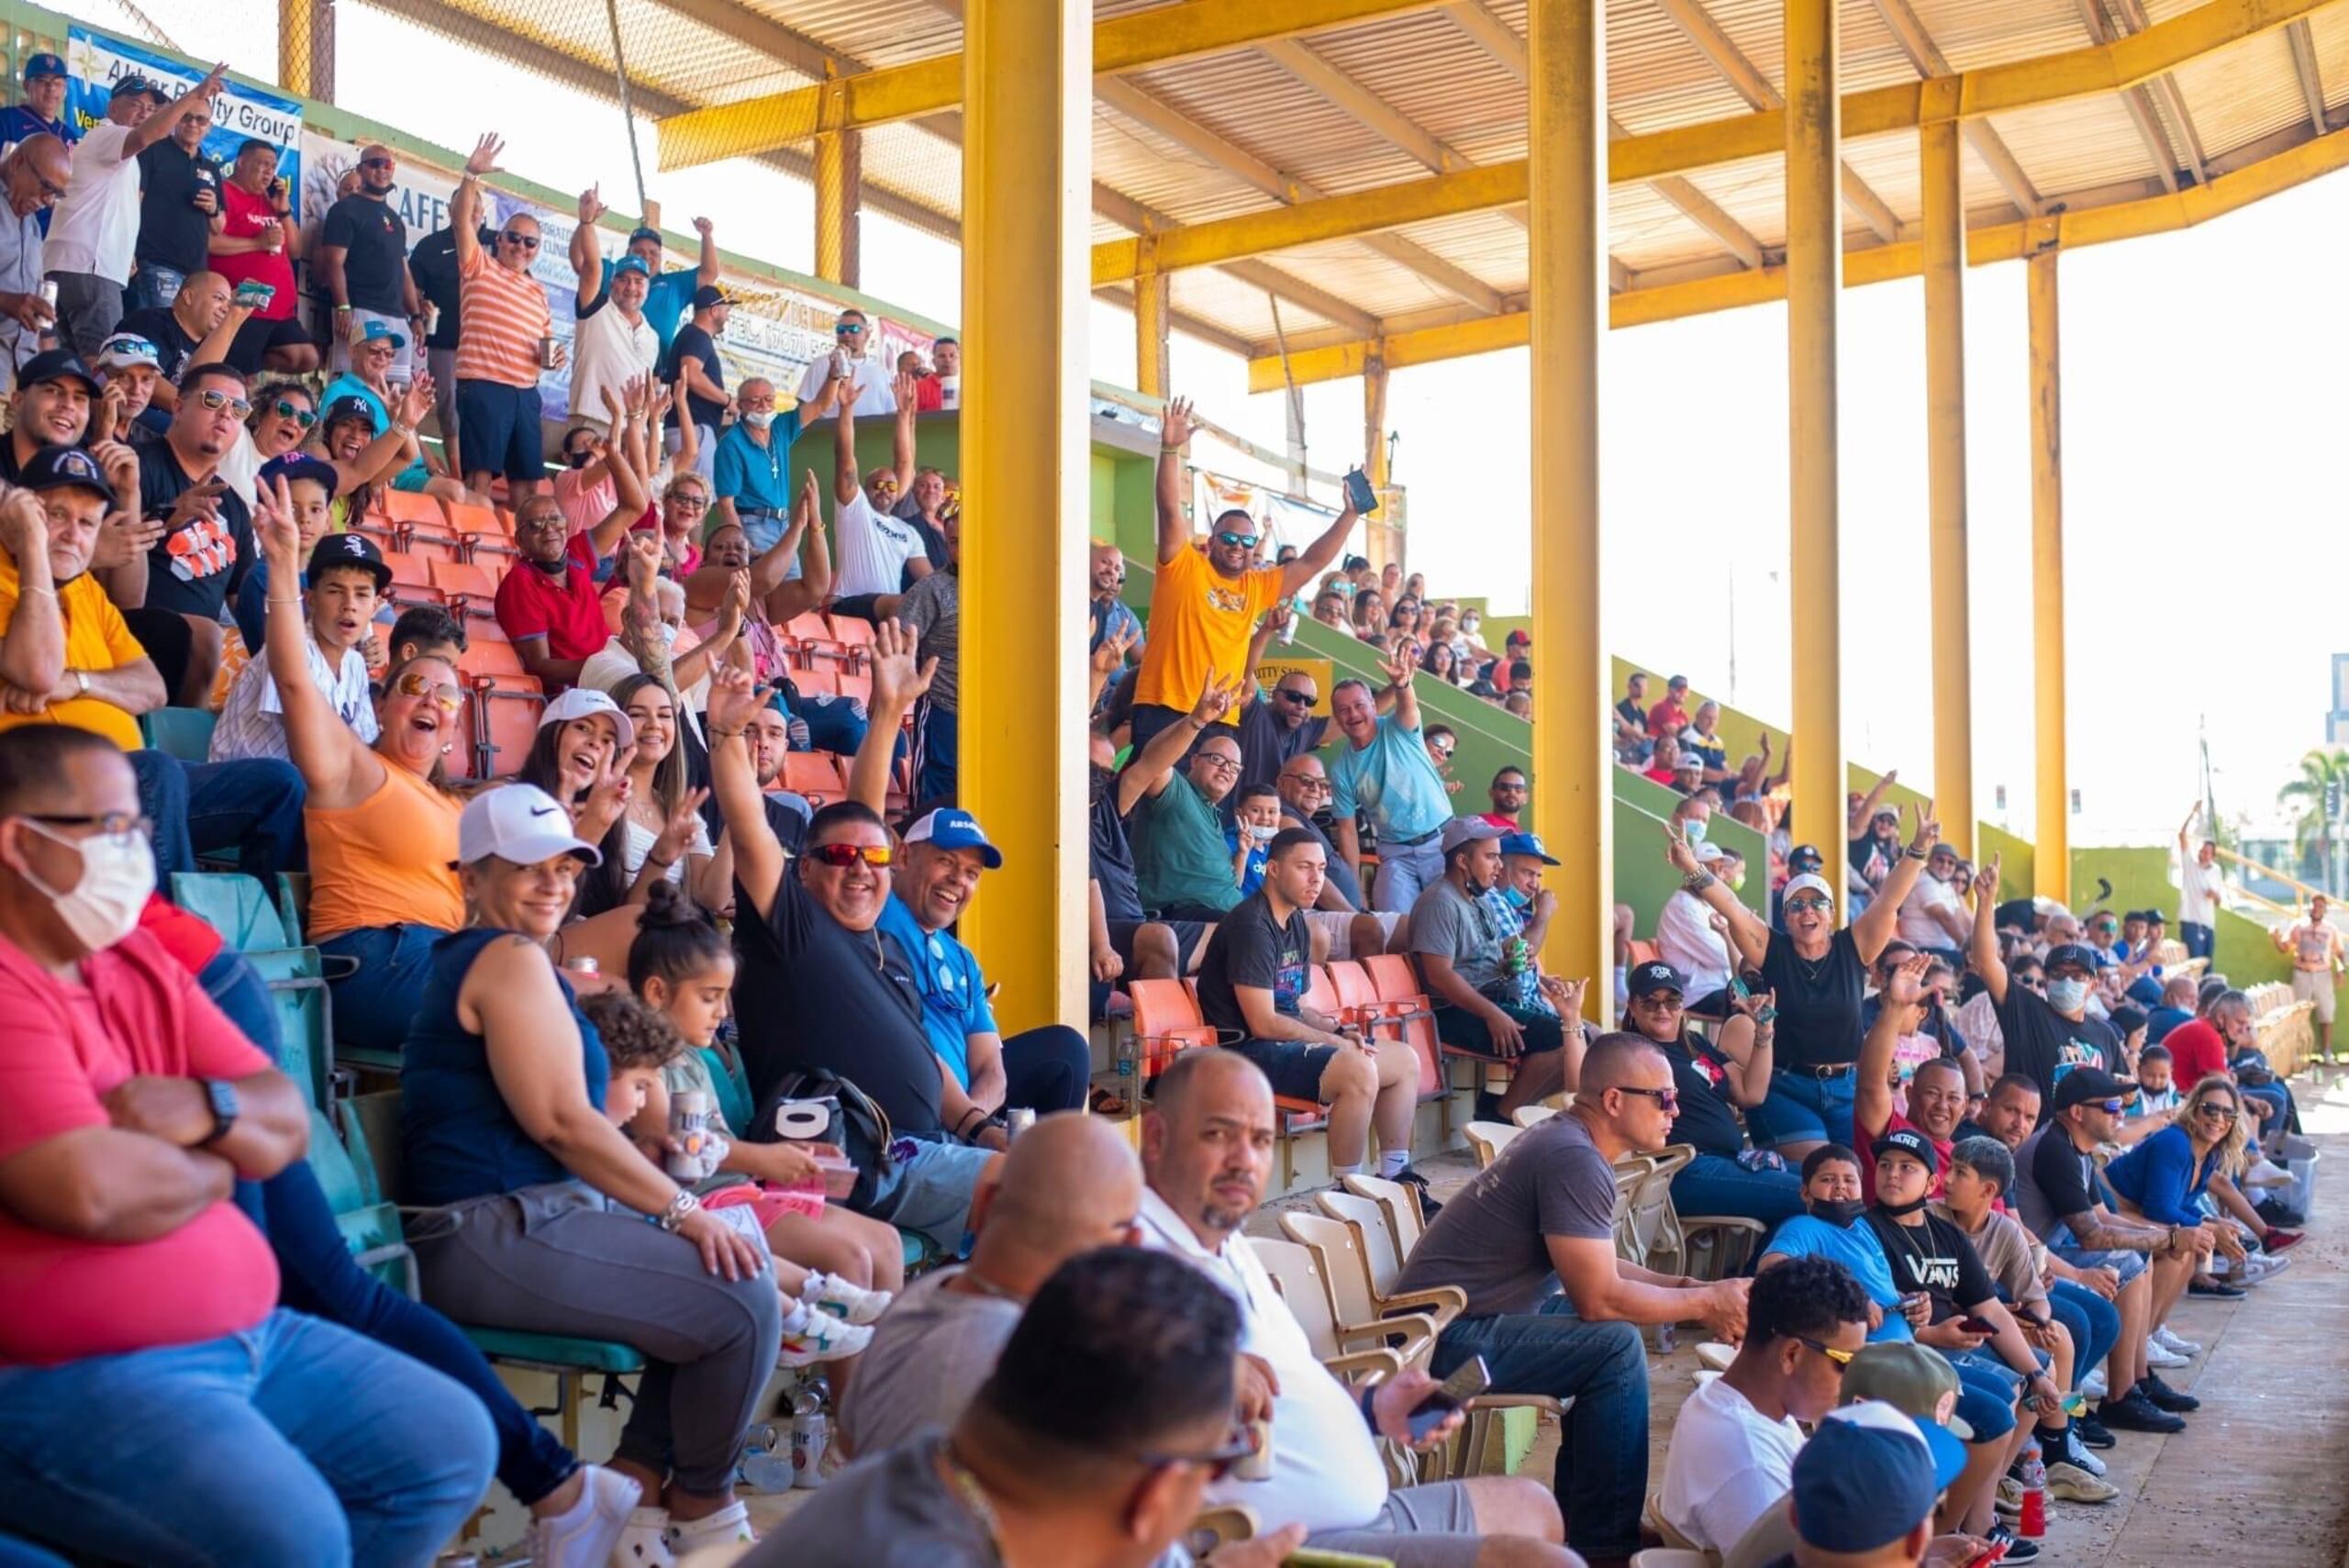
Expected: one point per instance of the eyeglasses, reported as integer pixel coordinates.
(1841, 1358)
(2214, 1109)
(527, 241)
(839, 857)
(415, 683)
(285, 409)
(1220, 762)
(109, 824)
(849, 330)
(1216, 1462)
(54, 193)
(1667, 1100)
(375, 162)
(689, 503)
(1803, 906)
(217, 401)
(1295, 699)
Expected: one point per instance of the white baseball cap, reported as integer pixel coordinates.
(586, 701)
(522, 823)
(1809, 882)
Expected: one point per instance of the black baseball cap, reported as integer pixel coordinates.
(57, 364)
(124, 86)
(66, 468)
(1908, 1141)
(300, 465)
(1647, 979)
(349, 550)
(2071, 955)
(1805, 857)
(2083, 1086)
(709, 297)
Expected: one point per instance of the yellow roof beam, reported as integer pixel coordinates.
(1163, 36)
(2104, 68)
(2162, 214)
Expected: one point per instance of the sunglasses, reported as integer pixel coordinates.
(527, 241)
(217, 401)
(1662, 1001)
(1667, 1100)
(376, 163)
(1312, 787)
(2109, 1107)
(839, 857)
(849, 330)
(2214, 1109)
(415, 683)
(285, 409)
(1295, 699)
(1801, 905)
(1841, 1358)
(1240, 541)
(1216, 1462)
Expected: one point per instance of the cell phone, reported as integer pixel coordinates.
(1469, 1379)
(255, 294)
(1996, 1552)
(277, 187)
(1359, 494)
(1977, 1325)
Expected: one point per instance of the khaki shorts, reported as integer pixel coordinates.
(1420, 1527)
(1340, 927)
(2315, 986)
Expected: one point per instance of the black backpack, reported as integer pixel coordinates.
(857, 1125)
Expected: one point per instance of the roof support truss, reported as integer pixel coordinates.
(2304, 66)
(1980, 135)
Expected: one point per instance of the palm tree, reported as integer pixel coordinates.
(2324, 776)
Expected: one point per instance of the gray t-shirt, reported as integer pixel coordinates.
(929, 1353)
(1449, 924)
(1491, 1239)
(891, 1511)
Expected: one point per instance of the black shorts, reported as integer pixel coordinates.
(501, 433)
(1464, 1030)
(255, 338)
(857, 607)
(1188, 935)
(1294, 1067)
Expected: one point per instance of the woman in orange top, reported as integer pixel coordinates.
(382, 826)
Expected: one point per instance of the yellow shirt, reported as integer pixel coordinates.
(96, 639)
(1200, 622)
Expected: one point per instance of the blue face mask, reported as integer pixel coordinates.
(1516, 900)
(1693, 829)
(2068, 996)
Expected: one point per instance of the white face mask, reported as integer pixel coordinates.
(2068, 996)
(117, 875)
(758, 418)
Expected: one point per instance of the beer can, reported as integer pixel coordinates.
(582, 964)
(1017, 1121)
(689, 1133)
(432, 318)
(48, 292)
(547, 347)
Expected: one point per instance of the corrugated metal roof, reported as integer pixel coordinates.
(1435, 89)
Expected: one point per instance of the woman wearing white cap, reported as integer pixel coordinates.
(1819, 975)
(544, 1200)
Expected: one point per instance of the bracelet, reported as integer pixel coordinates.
(674, 1217)
(718, 734)
(295, 600)
(342, 310)
(27, 588)
(1913, 853)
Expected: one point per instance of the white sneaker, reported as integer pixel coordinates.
(644, 1541)
(2160, 1355)
(729, 1526)
(2259, 1266)
(826, 1338)
(2171, 1343)
(842, 1298)
(2070, 1483)
(585, 1535)
(2266, 1174)
(2092, 1385)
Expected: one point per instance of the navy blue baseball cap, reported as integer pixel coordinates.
(952, 828)
(1869, 1476)
(349, 550)
(301, 465)
(64, 468)
(43, 64)
(1527, 844)
(1647, 979)
(127, 86)
(645, 232)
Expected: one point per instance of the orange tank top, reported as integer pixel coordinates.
(385, 862)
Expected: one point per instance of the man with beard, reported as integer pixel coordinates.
(363, 261)
(547, 602)
(207, 542)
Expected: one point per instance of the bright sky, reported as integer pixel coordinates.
(2203, 454)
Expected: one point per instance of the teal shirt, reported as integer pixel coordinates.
(1180, 859)
(1393, 780)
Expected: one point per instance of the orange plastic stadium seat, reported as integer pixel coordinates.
(489, 656)
(508, 723)
(412, 508)
(435, 543)
(815, 774)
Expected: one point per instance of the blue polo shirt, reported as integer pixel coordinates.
(752, 477)
(1394, 780)
(953, 994)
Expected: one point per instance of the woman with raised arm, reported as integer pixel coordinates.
(1819, 974)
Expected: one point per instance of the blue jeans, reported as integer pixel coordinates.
(2093, 1322)
(295, 1444)
(372, 1007)
(1601, 1480)
(1713, 1184)
(1405, 871)
(318, 1275)
(2127, 1264)
(253, 807)
(1047, 1069)
(937, 778)
(2287, 1117)
(1986, 1397)
(152, 287)
(2198, 940)
(1803, 1109)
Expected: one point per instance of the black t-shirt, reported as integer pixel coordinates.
(374, 268)
(1251, 948)
(433, 265)
(1266, 745)
(693, 342)
(174, 347)
(1706, 1121)
(933, 550)
(193, 569)
(1335, 874)
(2044, 1044)
(1113, 860)
(2065, 1177)
(1629, 711)
(811, 993)
(1936, 1258)
(1819, 1001)
(172, 231)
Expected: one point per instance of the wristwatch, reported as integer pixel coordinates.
(221, 1095)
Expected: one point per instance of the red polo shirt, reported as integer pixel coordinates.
(565, 610)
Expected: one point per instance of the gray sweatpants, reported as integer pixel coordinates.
(561, 1259)
(1405, 871)
(89, 308)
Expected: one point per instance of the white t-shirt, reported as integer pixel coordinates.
(606, 351)
(1326, 1470)
(876, 396)
(252, 719)
(2197, 892)
(95, 226)
(1917, 926)
(1685, 940)
(873, 550)
(1728, 1465)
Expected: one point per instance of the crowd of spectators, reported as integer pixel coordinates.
(639, 915)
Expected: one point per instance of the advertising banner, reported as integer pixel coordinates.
(95, 61)
(1274, 666)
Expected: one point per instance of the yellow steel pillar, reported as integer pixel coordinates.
(2051, 854)
(1945, 242)
(839, 186)
(305, 48)
(1152, 372)
(1814, 279)
(1027, 221)
(1566, 103)
(1385, 541)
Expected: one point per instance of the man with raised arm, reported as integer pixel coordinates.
(504, 321)
(876, 548)
(1385, 773)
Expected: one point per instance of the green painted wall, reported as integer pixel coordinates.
(1655, 801)
(2017, 863)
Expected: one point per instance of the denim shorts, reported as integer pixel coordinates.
(929, 1188)
(1294, 1067)
(2128, 1266)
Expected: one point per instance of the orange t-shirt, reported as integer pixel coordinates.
(387, 860)
(97, 638)
(1200, 622)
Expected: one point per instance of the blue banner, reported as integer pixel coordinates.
(95, 61)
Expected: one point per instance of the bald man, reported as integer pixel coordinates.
(1070, 1183)
(33, 176)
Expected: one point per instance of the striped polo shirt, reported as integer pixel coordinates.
(502, 314)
